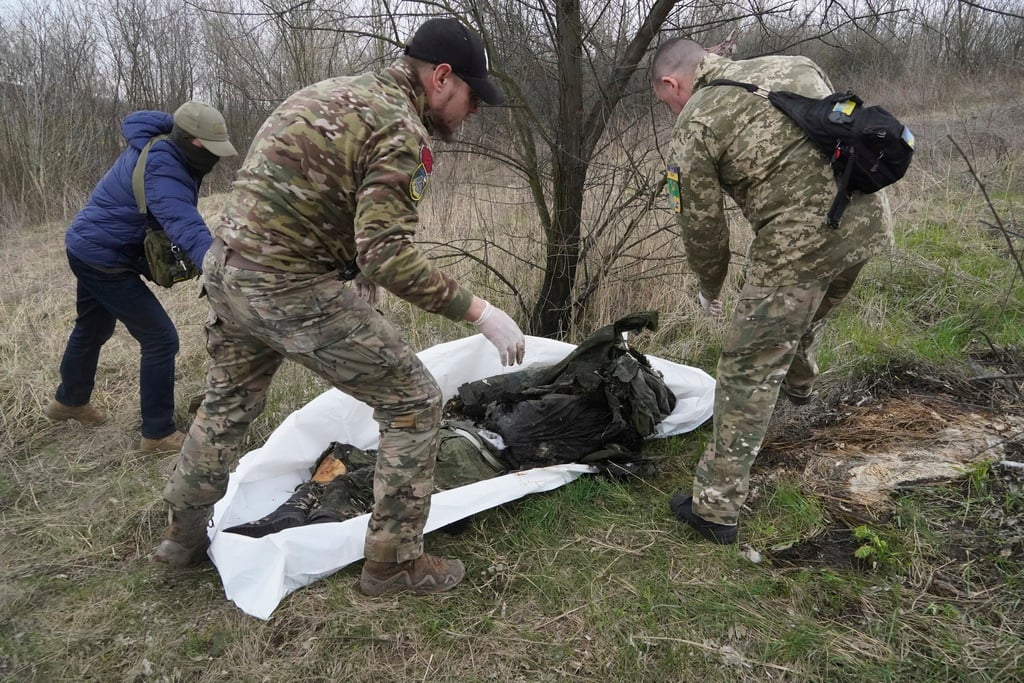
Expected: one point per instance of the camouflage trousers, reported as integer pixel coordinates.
(256, 321)
(774, 334)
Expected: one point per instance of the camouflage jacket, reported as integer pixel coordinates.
(335, 175)
(729, 140)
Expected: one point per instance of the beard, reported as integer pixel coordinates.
(443, 131)
(442, 126)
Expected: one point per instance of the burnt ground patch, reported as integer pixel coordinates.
(910, 447)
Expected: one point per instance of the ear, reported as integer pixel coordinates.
(670, 82)
(440, 76)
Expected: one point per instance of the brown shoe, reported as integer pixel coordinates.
(425, 574)
(171, 442)
(186, 540)
(85, 414)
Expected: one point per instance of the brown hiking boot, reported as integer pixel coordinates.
(85, 414)
(425, 574)
(171, 442)
(186, 538)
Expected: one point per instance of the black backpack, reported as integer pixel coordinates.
(868, 148)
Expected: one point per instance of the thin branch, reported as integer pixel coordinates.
(988, 201)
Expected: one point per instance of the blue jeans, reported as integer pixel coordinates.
(102, 299)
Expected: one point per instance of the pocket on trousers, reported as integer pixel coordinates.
(303, 319)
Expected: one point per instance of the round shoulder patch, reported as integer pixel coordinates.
(418, 183)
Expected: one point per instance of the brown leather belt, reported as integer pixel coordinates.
(236, 260)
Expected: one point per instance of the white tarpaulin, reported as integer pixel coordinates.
(258, 572)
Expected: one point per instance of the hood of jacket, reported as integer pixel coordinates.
(138, 127)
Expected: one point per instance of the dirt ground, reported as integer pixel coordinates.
(906, 430)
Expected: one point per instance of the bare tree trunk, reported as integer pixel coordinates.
(552, 311)
(575, 138)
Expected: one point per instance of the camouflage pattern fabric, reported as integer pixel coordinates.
(727, 141)
(774, 335)
(334, 175)
(350, 494)
(253, 326)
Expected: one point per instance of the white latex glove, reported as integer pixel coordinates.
(503, 332)
(711, 307)
(367, 290)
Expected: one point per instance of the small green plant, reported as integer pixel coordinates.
(873, 548)
(976, 477)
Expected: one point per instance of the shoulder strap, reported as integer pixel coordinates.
(139, 174)
(749, 87)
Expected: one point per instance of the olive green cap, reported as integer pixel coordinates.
(206, 124)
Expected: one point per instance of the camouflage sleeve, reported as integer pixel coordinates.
(701, 213)
(386, 219)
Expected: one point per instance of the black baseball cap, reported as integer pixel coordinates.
(447, 41)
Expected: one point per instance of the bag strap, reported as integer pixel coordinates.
(139, 174)
(749, 87)
(842, 198)
(842, 187)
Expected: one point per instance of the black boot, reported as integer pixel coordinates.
(682, 507)
(289, 514)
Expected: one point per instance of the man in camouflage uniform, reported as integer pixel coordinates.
(798, 269)
(328, 192)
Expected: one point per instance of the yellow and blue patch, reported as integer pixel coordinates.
(418, 182)
(672, 180)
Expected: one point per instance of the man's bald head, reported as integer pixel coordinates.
(676, 57)
(672, 71)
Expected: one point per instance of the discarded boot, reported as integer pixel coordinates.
(85, 414)
(798, 397)
(426, 574)
(186, 539)
(291, 513)
(171, 442)
(682, 507)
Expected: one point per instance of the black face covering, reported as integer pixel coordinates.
(199, 159)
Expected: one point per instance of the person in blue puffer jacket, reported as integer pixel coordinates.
(105, 251)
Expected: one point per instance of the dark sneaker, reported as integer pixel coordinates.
(86, 414)
(289, 514)
(425, 574)
(798, 397)
(682, 507)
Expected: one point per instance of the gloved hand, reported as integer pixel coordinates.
(503, 332)
(366, 289)
(711, 307)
